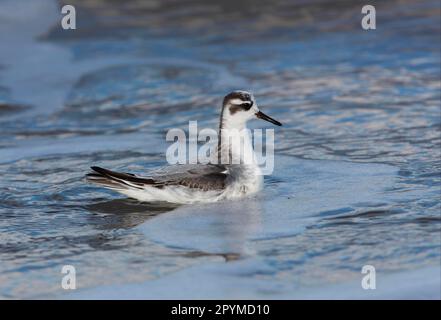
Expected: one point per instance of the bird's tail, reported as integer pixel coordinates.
(117, 180)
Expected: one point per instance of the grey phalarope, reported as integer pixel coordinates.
(189, 183)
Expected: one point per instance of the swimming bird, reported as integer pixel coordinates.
(188, 183)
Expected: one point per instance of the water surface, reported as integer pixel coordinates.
(357, 173)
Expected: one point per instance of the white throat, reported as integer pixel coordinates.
(235, 145)
(237, 153)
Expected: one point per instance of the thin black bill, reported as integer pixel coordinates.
(263, 116)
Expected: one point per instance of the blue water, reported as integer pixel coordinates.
(357, 164)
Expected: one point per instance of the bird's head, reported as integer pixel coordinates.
(239, 107)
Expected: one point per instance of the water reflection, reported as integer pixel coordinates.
(220, 228)
(125, 213)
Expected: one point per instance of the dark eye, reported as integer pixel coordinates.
(247, 105)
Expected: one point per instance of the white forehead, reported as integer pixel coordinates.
(239, 100)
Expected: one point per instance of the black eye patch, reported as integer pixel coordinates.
(247, 105)
(240, 107)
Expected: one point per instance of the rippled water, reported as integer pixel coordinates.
(357, 173)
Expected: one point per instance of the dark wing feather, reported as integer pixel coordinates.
(105, 177)
(106, 182)
(198, 176)
(204, 177)
(122, 176)
(212, 181)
